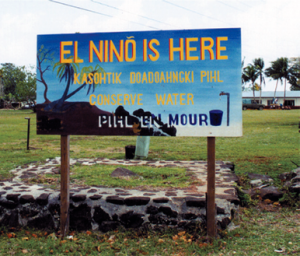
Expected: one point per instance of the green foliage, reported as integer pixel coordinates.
(295, 81)
(290, 199)
(19, 82)
(9, 78)
(245, 199)
(62, 69)
(26, 90)
(91, 70)
(259, 66)
(282, 69)
(249, 75)
(46, 55)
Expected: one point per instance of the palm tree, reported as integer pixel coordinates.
(285, 73)
(295, 81)
(259, 65)
(289, 73)
(250, 75)
(283, 70)
(275, 73)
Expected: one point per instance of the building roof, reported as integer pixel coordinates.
(270, 94)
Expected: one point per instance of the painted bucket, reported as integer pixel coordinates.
(215, 117)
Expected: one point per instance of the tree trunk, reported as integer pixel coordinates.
(77, 90)
(43, 81)
(57, 105)
(260, 94)
(46, 89)
(64, 97)
(275, 88)
(260, 81)
(253, 92)
(45, 95)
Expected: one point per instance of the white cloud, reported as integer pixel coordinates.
(17, 33)
(269, 27)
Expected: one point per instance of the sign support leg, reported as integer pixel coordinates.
(64, 185)
(211, 209)
(28, 131)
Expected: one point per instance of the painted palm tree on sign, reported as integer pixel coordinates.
(66, 71)
(259, 65)
(92, 85)
(249, 75)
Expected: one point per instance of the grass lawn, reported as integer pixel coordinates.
(259, 232)
(100, 175)
(270, 144)
(147, 176)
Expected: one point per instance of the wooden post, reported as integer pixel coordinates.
(64, 185)
(211, 209)
(28, 131)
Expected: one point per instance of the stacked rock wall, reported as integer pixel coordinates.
(104, 209)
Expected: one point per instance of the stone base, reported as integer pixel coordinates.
(104, 209)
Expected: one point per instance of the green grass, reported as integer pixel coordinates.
(259, 232)
(269, 145)
(148, 176)
(98, 175)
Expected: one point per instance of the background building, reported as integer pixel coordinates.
(292, 98)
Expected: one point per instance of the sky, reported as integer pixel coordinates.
(270, 28)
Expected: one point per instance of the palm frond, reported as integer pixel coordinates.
(75, 67)
(60, 71)
(98, 68)
(55, 65)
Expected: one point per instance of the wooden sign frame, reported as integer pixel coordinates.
(65, 185)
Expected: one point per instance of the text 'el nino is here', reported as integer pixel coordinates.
(187, 49)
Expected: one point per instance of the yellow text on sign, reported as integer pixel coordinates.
(175, 99)
(211, 76)
(116, 99)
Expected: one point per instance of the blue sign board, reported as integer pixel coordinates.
(154, 83)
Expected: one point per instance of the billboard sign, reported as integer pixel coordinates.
(153, 83)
